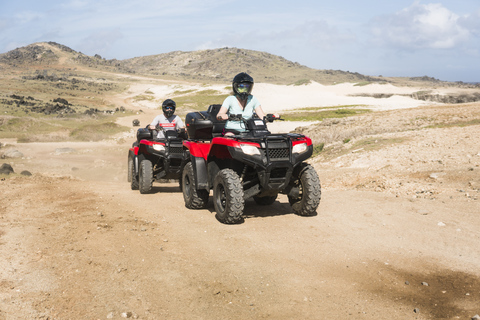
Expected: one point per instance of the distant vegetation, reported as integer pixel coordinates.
(48, 129)
(320, 114)
(200, 100)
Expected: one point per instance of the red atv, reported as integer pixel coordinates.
(152, 159)
(254, 164)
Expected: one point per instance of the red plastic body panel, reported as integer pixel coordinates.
(198, 149)
(151, 143)
(231, 142)
(134, 150)
(202, 149)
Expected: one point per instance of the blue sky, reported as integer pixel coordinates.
(440, 38)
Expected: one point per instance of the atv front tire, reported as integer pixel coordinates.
(130, 169)
(306, 199)
(132, 177)
(228, 197)
(145, 176)
(194, 199)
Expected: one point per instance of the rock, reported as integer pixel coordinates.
(476, 317)
(136, 123)
(437, 175)
(416, 310)
(26, 173)
(423, 212)
(6, 169)
(12, 154)
(110, 315)
(64, 150)
(126, 314)
(425, 284)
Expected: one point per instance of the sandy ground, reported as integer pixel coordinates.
(396, 235)
(277, 98)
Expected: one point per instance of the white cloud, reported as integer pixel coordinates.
(28, 16)
(471, 22)
(317, 34)
(429, 26)
(75, 4)
(3, 25)
(321, 35)
(100, 42)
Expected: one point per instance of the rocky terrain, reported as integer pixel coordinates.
(396, 235)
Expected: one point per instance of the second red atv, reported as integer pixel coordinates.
(254, 164)
(151, 159)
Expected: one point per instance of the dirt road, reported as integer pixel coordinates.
(389, 241)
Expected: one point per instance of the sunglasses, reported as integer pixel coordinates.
(169, 108)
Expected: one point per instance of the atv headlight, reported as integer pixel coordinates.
(158, 147)
(250, 150)
(299, 148)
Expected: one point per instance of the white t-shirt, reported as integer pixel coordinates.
(172, 123)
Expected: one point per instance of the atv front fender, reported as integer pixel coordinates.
(198, 156)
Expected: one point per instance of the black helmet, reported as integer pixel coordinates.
(242, 85)
(170, 111)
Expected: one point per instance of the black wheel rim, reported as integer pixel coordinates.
(300, 190)
(187, 186)
(221, 198)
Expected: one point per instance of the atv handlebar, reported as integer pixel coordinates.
(180, 133)
(270, 117)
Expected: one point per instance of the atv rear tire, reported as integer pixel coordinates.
(265, 201)
(145, 176)
(194, 199)
(307, 183)
(228, 197)
(132, 177)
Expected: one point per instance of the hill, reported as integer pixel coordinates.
(221, 64)
(216, 65)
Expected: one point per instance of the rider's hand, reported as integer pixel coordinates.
(271, 117)
(151, 127)
(222, 117)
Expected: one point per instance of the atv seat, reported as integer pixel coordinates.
(218, 125)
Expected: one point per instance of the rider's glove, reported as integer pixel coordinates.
(270, 117)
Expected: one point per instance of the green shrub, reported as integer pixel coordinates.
(317, 149)
(302, 82)
(323, 114)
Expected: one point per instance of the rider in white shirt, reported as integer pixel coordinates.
(167, 120)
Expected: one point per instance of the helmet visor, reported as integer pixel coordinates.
(244, 87)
